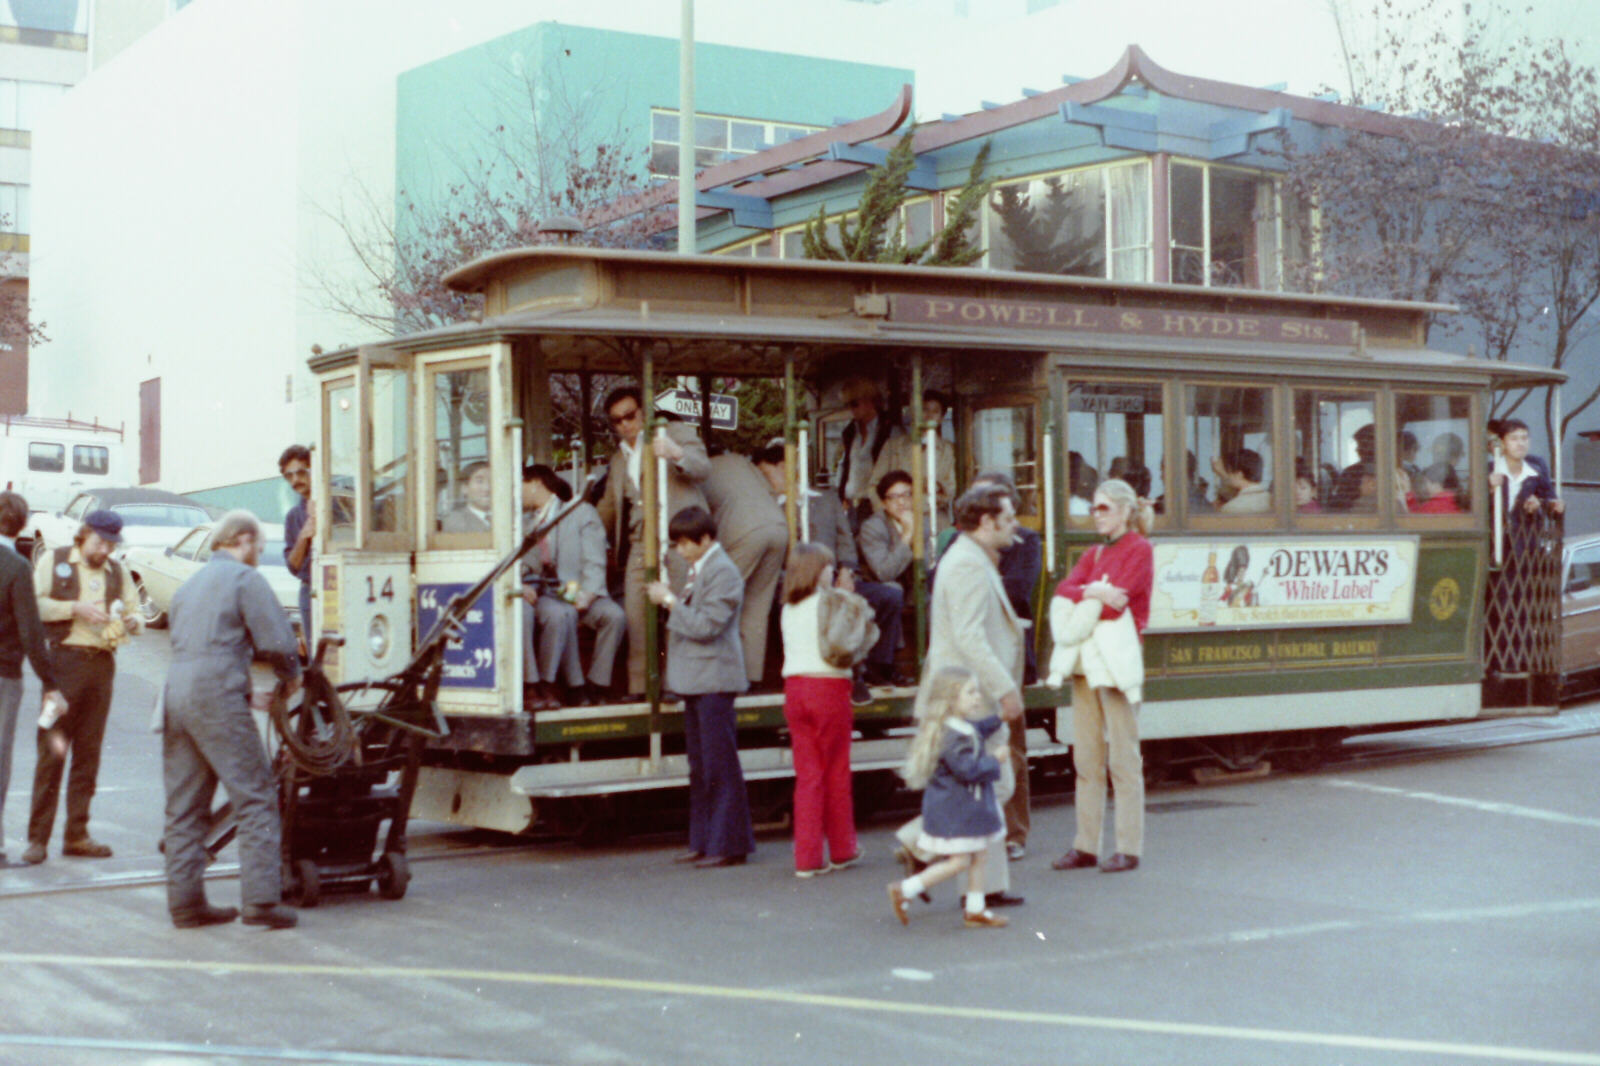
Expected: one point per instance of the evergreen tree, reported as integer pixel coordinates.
(874, 232)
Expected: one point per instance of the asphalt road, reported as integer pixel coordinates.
(1442, 908)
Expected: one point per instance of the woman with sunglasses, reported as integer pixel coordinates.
(1107, 680)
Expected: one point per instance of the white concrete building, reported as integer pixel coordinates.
(184, 188)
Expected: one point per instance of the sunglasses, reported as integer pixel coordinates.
(626, 416)
(1102, 508)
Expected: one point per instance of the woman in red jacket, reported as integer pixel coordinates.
(1118, 574)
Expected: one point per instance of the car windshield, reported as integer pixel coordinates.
(161, 514)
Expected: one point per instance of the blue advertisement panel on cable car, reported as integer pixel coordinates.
(468, 659)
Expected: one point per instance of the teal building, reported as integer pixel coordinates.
(495, 114)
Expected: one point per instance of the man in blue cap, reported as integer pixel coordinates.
(80, 589)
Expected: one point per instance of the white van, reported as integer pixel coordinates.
(51, 460)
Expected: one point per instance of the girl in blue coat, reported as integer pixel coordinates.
(951, 761)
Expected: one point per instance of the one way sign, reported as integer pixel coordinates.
(686, 405)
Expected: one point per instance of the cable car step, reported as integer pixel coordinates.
(559, 780)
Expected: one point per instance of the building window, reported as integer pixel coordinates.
(715, 136)
(13, 208)
(1083, 223)
(47, 458)
(1231, 228)
(915, 218)
(90, 459)
(24, 103)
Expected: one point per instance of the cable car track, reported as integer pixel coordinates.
(1371, 750)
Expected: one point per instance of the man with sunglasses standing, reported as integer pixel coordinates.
(299, 527)
(622, 506)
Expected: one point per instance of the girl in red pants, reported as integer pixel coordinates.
(819, 611)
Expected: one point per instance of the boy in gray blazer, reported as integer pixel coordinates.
(705, 665)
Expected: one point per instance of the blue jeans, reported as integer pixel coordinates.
(887, 601)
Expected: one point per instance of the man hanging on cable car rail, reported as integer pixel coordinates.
(822, 517)
(869, 432)
(622, 506)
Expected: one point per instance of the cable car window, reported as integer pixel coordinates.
(50, 458)
(1114, 430)
(1431, 435)
(391, 449)
(1229, 433)
(1003, 438)
(1336, 451)
(343, 455)
(463, 483)
(90, 459)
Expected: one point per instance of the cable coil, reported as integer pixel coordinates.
(329, 739)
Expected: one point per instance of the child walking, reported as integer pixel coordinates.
(952, 762)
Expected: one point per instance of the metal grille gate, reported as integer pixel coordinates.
(1522, 626)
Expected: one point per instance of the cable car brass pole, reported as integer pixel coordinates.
(919, 555)
(649, 488)
(585, 405)
(792, 455)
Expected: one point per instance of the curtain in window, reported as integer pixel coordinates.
(1266, 216)
(1130, 222)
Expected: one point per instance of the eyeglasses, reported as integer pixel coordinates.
(1102, 508)
(626, 416)
(899, 495)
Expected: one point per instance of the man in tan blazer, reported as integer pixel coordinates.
(972, 624)
(753, 531)
(622, 506)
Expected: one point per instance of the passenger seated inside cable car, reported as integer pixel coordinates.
(471, 513)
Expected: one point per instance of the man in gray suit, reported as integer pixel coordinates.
(569, 568)
(971, 623)
(824, 521)
(705, 665)
(222, 617)
(752, 530)
(473, 514)
(622, 507)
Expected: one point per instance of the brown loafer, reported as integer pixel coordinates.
(271, 915)
(204, 914)
(897, 900)
(34, 855)
(87, 848)
(1074, 860)
(985, 919)
(1119, 863)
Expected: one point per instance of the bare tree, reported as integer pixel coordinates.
(17, 325)
(544, 151)
(1479, 186)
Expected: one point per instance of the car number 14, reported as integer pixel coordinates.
(385, 593)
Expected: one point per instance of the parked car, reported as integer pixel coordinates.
(1580, 616)
(151, 518)
(158, 572)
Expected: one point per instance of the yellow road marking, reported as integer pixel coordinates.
(808, 999)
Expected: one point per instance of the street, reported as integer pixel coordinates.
(1442, 907)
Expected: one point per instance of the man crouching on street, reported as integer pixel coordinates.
(222, 618)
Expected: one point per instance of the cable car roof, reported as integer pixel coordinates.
(598, 309)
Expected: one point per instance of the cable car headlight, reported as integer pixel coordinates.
(378, 636)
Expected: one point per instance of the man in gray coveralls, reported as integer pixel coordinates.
(221, 618)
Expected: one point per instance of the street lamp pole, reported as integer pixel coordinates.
(686, 131)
